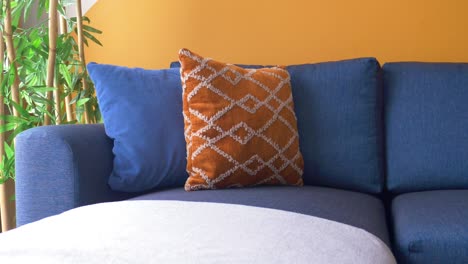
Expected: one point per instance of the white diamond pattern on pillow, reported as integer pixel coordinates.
(263, 102)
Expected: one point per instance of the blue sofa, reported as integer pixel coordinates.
(385, 150)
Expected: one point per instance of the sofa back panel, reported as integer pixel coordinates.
(339, 110)
(426, 115)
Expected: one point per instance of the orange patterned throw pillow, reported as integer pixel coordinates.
(240, 125)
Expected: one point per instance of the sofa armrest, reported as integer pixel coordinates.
(62, 167)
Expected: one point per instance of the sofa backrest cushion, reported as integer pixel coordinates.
(339, 110)
(426, 115)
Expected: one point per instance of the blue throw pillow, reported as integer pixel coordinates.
(142, 111)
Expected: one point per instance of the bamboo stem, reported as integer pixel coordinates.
(3, 196)
(68, 108)
(79, 27)
(58, 114)
(57, 101)
(52, 54)
(11, 54)
(2, 99)
(7, 206)
(57, 93)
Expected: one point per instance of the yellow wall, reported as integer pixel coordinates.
(148, 33)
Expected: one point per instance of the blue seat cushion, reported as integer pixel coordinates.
(431, 227)
(352, 208)
(426, 115)
(339, 109)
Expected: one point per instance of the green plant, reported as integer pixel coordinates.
(43, 78)
(32, 56)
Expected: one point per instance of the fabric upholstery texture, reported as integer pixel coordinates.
(339, 109)
(431, 227)
(426, 112)
(142, 112)
(176, 64)
(352, 208)
(62, 167)
(240, 125)
(174, 232)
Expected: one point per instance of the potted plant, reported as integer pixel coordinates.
(43, 78)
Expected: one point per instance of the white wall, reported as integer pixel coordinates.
(85, 5)
(71, 12)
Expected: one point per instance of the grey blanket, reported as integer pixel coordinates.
(189, 232)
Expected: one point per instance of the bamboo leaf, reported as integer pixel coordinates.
(91, 29)
(20, 109)
(9, 151)
(84, 18)
(65, 72)
(13, 119)
(82, 101)
(42, 89)
(42, 7)
(85, 41)
(7, 127)
(92, 38)
(68, 2)
(41, 100)
(61, 10)
(4, 83)
(80, 95)
(27, 9)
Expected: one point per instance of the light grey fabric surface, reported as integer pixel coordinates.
(352, 208)
(189, 232)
